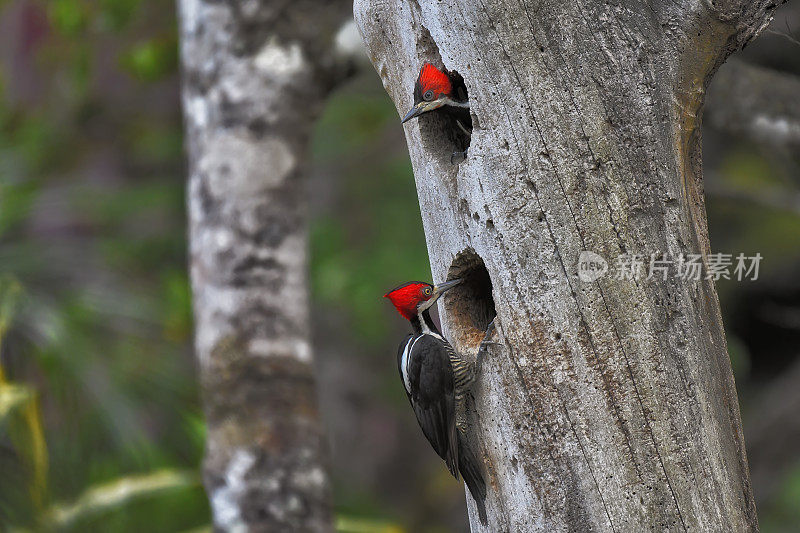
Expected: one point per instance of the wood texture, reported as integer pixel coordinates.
(609, 405)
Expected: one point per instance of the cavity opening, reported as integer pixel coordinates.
(447, 131)
(470, 305)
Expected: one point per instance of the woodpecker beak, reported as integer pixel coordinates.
(415, 111)
(424, 107)
(440, 289)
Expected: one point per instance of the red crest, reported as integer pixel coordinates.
(406, 297)
(431, 78)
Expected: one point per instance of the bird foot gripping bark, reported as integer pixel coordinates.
(486, 342)
(457, 158)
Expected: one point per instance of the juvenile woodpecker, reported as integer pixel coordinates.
(436, 379)
(443, 90)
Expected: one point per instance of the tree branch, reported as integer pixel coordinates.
(780, 199)
(756, 102)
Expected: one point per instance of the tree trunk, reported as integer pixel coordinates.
(608, 405)
(255, 77)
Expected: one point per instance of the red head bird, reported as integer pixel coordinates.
(436, 88)
(412, 298)
(436, 379)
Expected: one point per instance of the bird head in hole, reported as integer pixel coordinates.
(432, 90)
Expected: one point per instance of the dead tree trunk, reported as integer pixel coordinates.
(610, 405)
(255, 77)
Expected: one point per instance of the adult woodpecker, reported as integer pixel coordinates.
(443, 90)
(436, 379)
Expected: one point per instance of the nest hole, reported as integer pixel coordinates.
(470, 305)
(447, 130)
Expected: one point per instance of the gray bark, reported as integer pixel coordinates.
(608, 405)
(255, 77)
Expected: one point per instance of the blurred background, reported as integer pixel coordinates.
(100, 421)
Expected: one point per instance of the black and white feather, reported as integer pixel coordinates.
(424, 364)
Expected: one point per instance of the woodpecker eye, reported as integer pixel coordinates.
(428, 96)
(427, 291)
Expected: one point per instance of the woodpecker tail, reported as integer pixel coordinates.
(470, 470)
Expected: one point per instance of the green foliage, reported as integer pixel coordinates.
(373, 240)
(15, 203)
(745, 169)
(70, 17)
(740, 356)
(751, 227)
(349, 524)
(92, 227)
(118, 493)
(152, 60)
(20, 415)
(782, 515)
(97, 389)
(10, 292)
(115, 15)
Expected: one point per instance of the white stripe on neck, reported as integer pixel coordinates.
(406, 359)
(426, 330)
(455, 103)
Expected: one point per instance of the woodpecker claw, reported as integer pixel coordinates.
(464, 129)
(489, 331)
(484, 343)
(457, 157)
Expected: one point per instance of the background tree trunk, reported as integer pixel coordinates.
(255, 77)
(610, 405)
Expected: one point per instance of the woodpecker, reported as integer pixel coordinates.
(437, 89)
(436, 380)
